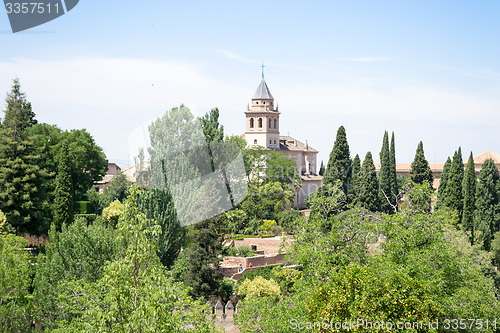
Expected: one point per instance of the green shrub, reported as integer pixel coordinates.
(243, 251)
(227, 289)
(82, 207)
(289, 219)
(268, 224)
(89, 218)
(259, 287)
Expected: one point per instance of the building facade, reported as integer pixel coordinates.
(262, 128)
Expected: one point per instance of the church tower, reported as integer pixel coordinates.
(263, 119)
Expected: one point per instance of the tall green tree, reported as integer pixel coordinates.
(63, 202)
(420, 169)
(454, 196)
(487, 215)
(157, 205)
(212, 129)
(368, 185)
(354, 190)
(384, 176)
(22, 196)
(18, 114)
(443, 182)
(393, 177)
(321, 169)
(469, 195)
(339, 164)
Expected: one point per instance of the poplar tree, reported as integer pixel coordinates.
(384, 176)
(469, 195)
(487, 214)
(443, 182)
(322, 169)
(393, 176)
(339, 163)
(368, 185)
(420, 169)
(22, 196)
(63, 202)
(454, 197)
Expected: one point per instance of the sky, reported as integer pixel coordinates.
(427, 70)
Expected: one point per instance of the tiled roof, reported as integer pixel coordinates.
(289, 143)
(488, 155)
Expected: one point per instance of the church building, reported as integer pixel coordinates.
(262, 121)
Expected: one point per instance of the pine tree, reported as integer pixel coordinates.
(354, 189)
(322, 169)
(393, 176)
(469, 195)
(22, 195)
(18, 114)
(368, 185)
(454, 197)
(420, 170)
(63, 202)
(339, 163)
(443, 182)
(384, 176)
(487, 215)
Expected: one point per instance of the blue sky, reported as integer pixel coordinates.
(427, 70)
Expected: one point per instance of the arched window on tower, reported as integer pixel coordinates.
(275, 122)
(260, 122)
(251, 122)
(270, 121)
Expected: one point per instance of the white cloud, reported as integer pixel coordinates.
(234, 56)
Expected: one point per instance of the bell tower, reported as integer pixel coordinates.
(262, 119)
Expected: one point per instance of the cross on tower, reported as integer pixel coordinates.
(262, 70)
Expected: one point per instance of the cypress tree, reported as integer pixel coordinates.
(443, 182)
(322, 169)
(339, 163)
(63, 202)
(158, 205)
(354, 189)
(368, 185)
(454, 197)
(469, 195)
(393, 176)
(22, 195)
(487, 214)
(384, 176)
(420, 169)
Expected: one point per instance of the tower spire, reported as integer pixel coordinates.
(262, 69)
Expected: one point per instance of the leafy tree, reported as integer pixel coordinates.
(116, 190)
(454, 195)
(443, 182)
(280, 168)
(469, 195)
(158, 205)
(394, 182)
(87, 161)
(384, 176)
(78, 253)
(15, 282)
(487, 215)
(213, 131)
(420, 169)
(22, 195)
(134, 292)
(339, 164)
(368, 186)
(63, 202)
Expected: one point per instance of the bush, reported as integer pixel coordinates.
(227, 289)
(89, 218)
(268, 224)
(259, 287)
(112, 212)
(264, 271)
(288, 219)
(243, 251)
